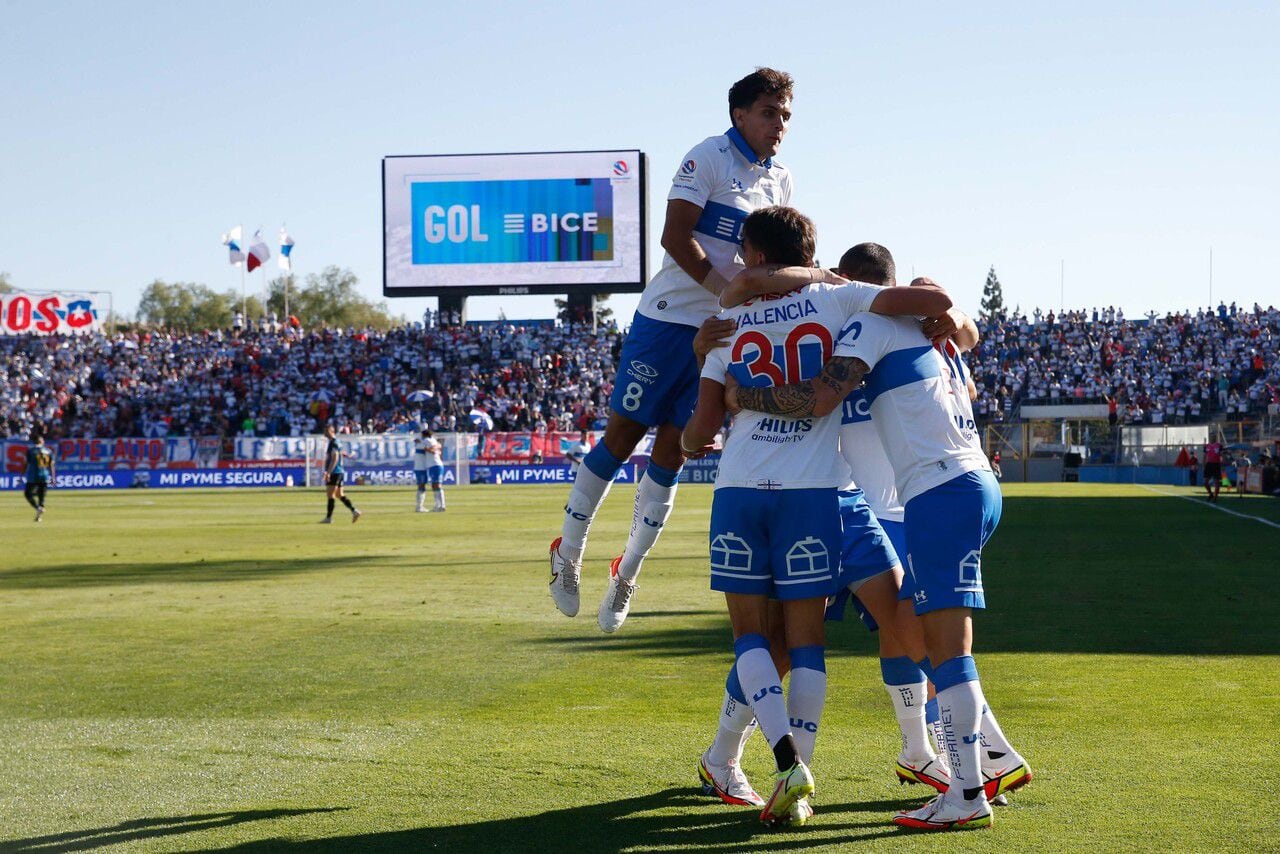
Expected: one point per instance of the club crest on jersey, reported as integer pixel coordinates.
(735, 184)
(689, 167)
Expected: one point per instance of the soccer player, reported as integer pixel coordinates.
(920, 406)
(428, 467)
(335, 475)
(775, 523)
(578, 451)
(719, 182)
(1212, 470)
(40, 473)
(870, 568)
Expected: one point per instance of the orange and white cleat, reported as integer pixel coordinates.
(933, 772)
(728, 783)
(941, 814)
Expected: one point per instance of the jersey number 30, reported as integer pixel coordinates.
(763, 361)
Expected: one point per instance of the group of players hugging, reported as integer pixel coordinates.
(853, 454)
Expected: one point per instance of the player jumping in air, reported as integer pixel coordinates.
(40, 473)
(428, 467)
(718, 183)
(919, 402)
(335, 475)
(775, 518)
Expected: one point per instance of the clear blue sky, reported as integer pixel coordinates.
(1123, 139)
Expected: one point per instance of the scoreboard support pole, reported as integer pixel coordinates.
(586, 303)
(451, 303)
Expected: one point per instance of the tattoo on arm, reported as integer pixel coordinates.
(841, 375)
(795, 400)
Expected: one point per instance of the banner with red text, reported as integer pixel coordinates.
(50, 314)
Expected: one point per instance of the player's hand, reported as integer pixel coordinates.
(831, 277)
(731, 395)
(713, 333)
(699, 453)
(923, 280)
(939, 329)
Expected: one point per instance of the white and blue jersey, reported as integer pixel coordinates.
(775, 517)
(657, 378)
(427, 463)
(918, 398)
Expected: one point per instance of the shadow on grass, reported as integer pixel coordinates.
(642, 824)
(147, 828)
(1155, 576)
(119, 574)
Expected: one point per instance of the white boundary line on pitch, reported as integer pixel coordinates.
(1214, 506)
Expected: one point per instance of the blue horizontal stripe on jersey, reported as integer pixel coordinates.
(856, 408)
(722, 222)
(899, 368)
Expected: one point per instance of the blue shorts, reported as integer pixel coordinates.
(429, 475)
(783, 544)
(657, 377)
(897, 534)
(946, 530)
(866, 551)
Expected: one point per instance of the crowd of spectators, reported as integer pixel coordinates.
(277, 380)
(1177, 368)
(273, 380)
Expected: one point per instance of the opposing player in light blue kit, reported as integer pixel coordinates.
(428, 468)
(775, 522)
(920, 406)
(718, 183)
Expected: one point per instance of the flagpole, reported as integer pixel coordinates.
(244, 294)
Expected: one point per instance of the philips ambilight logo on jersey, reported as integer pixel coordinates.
(513, 222)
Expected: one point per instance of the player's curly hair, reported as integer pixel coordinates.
(784, 235)
(762, 81)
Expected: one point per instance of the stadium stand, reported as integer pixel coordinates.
(283, 382)
(1180, 368)
(273, 381)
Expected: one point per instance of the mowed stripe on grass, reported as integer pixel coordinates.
(190, 670)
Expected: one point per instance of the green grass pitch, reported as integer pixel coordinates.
(213, 670)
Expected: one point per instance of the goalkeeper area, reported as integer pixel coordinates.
(196, 670)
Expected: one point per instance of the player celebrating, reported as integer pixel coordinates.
(335, 475)
(869, 566)
(921, 409)
(428, 468)
(40, 473)
(775, 524)
(719, 182)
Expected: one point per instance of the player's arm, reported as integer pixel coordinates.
(953, 324)
(708, 417)
(923, 299)
(773, 279)
(818, 397)
(677, 239)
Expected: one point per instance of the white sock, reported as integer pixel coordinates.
(805, 698)
(960, 710)
(997, 752)
(655, 496)
(908, 707)
(439, 493)
(422, 497)
(589, 490)
(762, 686)
(731, 736)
